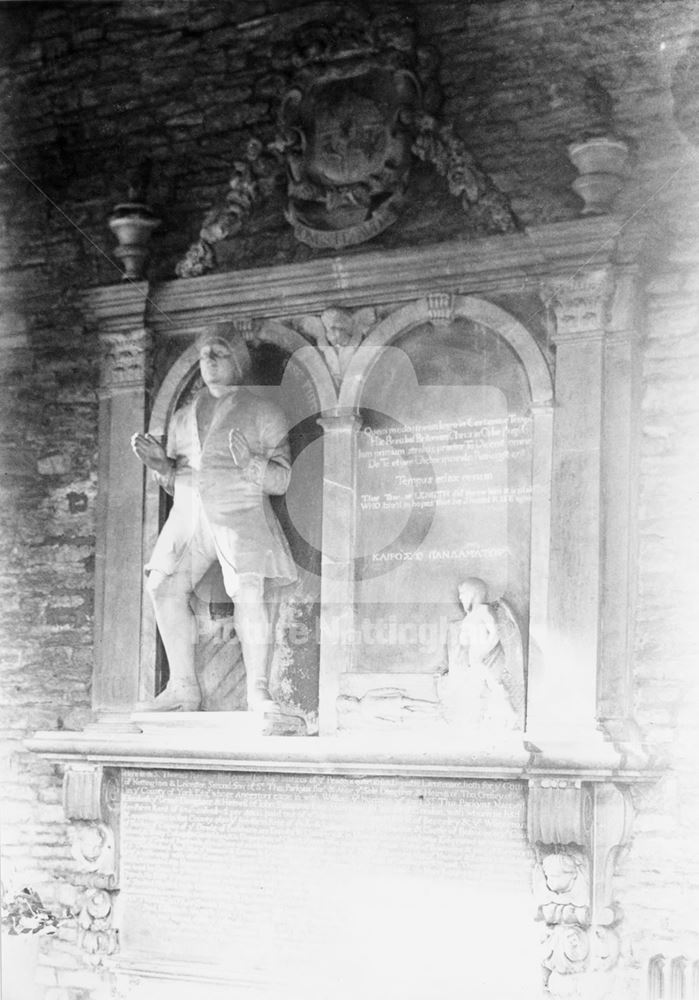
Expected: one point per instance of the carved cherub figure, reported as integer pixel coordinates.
(93, 846)
(482, 682)
(562, 886)
(338, 333)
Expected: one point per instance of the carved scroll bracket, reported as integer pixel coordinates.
(577, 831)
(91, 801)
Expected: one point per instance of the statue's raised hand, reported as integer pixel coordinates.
(150, 452)
(239, 448)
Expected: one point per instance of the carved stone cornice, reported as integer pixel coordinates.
(577, 831)
(115, 308)
(161, 746)
(580, 303)
(511, 263)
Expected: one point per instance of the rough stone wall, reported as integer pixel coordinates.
(88, 89)
(659, 878)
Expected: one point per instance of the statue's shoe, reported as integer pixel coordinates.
(183, 698)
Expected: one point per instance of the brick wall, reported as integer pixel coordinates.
(88, 89)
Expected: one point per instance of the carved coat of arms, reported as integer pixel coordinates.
(358, 105)
(345, 126)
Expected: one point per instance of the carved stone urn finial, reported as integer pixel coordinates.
(132, 222)
(601, 163)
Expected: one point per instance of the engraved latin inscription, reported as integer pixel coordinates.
(254, 874)
(443, 494)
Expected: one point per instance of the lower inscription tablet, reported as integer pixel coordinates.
(375, 886)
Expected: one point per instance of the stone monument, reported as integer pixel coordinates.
(433, 500)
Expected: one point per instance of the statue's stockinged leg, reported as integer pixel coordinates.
(254, 628)
(177, 627)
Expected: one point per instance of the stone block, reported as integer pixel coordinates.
(53, 465)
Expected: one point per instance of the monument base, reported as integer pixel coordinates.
(272, 721)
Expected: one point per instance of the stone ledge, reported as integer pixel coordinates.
(188, 743)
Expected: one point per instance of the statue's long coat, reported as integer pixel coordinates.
(236, 503)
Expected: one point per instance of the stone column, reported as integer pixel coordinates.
(542, 430)
(119, 555)
(563, 685)
(620, 448)
(338, 545)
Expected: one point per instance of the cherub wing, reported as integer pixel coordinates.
(511, 641)
(362, 320)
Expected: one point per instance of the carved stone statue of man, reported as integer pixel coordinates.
(227, 452)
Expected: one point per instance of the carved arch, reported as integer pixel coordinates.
(440, 308)
(166, 402)
(305, 354)
(271, 332)
(450, 307)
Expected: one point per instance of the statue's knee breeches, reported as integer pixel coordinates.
(250, 590)
(162, 587)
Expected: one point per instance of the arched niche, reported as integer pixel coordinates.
(451, 398)
(281, 366)
(442, 310)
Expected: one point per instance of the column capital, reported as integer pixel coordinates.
(124, 361)
(579, 303)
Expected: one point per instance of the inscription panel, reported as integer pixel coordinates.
(444, 493)
(381, 881)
